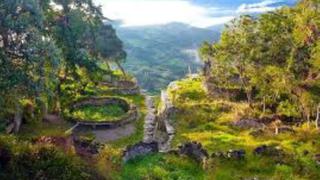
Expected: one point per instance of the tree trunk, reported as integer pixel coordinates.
(17, 119)
(249, 97)
(121, 68)
(318, 116)
(264, 105)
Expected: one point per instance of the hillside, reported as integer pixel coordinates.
(160, 54)
(71, 111)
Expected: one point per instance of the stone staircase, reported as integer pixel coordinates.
(150, 121)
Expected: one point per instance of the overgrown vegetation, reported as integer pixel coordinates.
(265, 70)
(98, 113)
(272, 60)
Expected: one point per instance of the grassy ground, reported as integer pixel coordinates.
(159, 166)
(37, 129)
(98, 113)
(208, 121)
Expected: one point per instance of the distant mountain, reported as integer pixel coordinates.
(237, 3)
(160, 54)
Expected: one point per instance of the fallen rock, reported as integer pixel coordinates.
(236, 154)
(231, 154)
(248, 124)
(269, 151)
(218, 154)
(194, 150)
(139, 149)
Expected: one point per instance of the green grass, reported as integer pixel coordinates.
(160, 166)
(208, 120)
(37, 129)
(98, 113)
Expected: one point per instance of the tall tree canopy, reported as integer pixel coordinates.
(44, 44)
(273, 58)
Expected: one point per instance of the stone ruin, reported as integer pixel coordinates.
(139, 149)
(130, 109)
(125, 87)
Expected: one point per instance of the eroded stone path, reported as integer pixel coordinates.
(150, 121)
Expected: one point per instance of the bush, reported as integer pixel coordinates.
(28, 161)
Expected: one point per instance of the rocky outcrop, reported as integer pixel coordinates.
(194, 150)
(139, 149)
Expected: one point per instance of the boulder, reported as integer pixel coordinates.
(194, 150)
(139, 149)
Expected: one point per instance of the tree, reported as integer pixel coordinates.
(26, 53)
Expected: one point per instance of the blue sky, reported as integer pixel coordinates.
(198, 13)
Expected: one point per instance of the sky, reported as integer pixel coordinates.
(197, 13)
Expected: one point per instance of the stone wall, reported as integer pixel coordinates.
(139, 149)
(164, 132)
(130, 116)
(122, 87)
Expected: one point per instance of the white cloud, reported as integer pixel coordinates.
(146, 12)
(261, 7)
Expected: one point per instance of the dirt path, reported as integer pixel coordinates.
(108, 135)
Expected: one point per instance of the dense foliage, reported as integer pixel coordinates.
(49, 52)
(22, 160)
(272, 59)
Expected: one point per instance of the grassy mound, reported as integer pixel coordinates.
(110, 112)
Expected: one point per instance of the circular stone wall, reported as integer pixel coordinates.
(131, 112)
